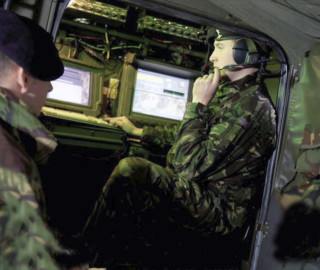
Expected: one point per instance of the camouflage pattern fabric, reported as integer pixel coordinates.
(224, 149)
(306, 183)
(214, 169)
(162, 136)
(25, 240)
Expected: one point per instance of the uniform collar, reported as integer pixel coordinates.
(19, 116)
(227, 88)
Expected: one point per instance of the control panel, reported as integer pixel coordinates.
(100, 9)
(151, 23)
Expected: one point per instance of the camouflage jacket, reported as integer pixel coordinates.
(25, 240)
(224, 147)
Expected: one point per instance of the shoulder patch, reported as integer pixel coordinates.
(243, 122)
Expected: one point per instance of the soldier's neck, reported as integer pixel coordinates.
(239, 74)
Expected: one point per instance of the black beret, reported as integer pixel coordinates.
(30, 46)
(220, 34)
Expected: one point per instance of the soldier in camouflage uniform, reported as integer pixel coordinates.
(299, 235)
(214, 169)
(28, 62)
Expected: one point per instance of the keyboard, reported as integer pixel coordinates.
(76, 117)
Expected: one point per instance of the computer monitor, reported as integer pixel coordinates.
(79, 89)
(155, 93)
(160, 95)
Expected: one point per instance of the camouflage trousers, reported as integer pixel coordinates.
(143, 191)
(142, 187)
(145, 210)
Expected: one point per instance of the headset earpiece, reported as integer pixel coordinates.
(245, 52)
(240, 50)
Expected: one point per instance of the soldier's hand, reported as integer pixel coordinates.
(125, 124)
(205, 88)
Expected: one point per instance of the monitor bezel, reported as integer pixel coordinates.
(96, 93)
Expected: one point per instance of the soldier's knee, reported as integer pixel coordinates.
(124, 167)
(132, 165)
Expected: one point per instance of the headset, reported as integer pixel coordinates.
(245, 52)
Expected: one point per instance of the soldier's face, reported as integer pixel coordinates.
(223, 54)
(36, 95)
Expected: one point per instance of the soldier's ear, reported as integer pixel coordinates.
(23, 80)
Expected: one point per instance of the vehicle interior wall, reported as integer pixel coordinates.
(299, 142)
(302, 108)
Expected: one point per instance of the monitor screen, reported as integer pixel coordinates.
(73, 86)
(79, 89)
(153, 92)
(160, 95)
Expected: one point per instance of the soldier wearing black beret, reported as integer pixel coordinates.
(28, 62)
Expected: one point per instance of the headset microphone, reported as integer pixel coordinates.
(235, 67)
(243, 65)
(232, 66)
